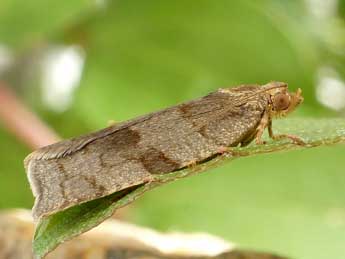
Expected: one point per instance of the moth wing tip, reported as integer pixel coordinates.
(36, 155)
(28, 159)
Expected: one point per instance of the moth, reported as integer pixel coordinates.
(130, 153)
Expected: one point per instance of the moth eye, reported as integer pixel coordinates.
(281, 102)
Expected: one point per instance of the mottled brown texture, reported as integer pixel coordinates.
(129, 153)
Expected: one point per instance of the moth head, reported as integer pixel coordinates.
(282, 102)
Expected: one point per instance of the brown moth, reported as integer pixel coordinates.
(81, 169)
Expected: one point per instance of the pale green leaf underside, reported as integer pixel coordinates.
(64, 225)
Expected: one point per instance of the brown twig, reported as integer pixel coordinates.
(21, 122)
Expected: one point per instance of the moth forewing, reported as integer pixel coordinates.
(130, 153)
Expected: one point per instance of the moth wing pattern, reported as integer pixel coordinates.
(98, 164)
(214, 103)
(69, 146)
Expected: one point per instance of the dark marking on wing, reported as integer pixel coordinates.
(123, 140)
(69, 146)
(212, 102)
(100, 189)
(185, 109)
(62, 171)
(155, 161)
(203, 132)
(102, 160)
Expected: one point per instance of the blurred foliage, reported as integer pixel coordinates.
(24, 23)
(145, 55)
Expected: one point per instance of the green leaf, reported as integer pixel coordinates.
(23, 23)
(64, 225)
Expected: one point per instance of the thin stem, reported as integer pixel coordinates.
(23, 123)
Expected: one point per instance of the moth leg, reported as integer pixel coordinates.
(192, 164)
(260, 129)
(294, 138)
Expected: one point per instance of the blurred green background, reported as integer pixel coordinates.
(79, 64)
